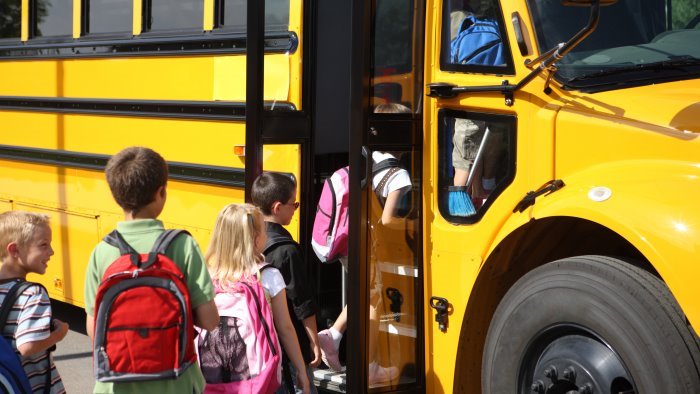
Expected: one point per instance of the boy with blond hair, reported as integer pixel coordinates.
(25, 247)
(137, 178)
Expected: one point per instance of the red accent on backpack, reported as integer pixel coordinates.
(329, 238)
(143, 321)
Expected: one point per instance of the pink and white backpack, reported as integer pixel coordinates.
(329, 237)
(242, 355)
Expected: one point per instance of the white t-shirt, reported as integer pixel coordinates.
(272, 281)
(399, 180)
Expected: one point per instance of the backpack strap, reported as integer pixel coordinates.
(19, 286)
(8, 302)
(382, 183)
(164, 240)
(115, 239)
(275, 241)
(286, 372)
(159, 246)
(384, 164)
(260, 315)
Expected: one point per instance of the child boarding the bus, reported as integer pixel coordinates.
(389, 182)
(235, 255)
(25, 241)
(275, 195)
(137, 178)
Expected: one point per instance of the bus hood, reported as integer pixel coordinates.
(673, 104)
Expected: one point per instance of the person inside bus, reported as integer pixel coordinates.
(474, 34)
(391, 189)
(459, 10)
(477, 147)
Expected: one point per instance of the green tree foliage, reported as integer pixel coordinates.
(10, 18)
(683, 12)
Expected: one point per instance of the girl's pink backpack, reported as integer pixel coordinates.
(329, 238)
(243, 354)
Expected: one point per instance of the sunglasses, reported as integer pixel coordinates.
(296, 204)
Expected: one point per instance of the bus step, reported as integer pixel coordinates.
(330, 380)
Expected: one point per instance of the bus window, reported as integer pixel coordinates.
(477, 161)
(109, 16)
(10, 24)
(175, 15)
(53, 18)
(474, 38)
(232, 15)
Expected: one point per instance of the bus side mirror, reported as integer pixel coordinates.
(587, 3)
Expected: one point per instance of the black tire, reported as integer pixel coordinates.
(613, 326)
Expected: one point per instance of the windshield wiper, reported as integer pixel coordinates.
(676, 63)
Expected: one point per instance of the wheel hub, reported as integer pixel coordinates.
(568, 360)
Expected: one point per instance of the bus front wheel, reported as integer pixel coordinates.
(590, 324)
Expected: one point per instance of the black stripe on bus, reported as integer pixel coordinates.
(223, 176)
(210, 110)
(282, 42)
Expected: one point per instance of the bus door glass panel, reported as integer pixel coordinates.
(394, 252)
(394, 79)
(474, 38)
(476, 161)
(394, 257)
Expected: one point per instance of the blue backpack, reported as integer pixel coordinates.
(13, 379)
(478, 44)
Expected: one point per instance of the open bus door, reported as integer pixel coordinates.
(385, 276)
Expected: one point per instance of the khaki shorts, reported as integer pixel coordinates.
(465, 143)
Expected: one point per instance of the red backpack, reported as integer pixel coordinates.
(143, 318)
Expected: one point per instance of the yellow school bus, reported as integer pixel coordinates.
(546, 235)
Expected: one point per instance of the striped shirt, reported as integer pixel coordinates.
(30, 321)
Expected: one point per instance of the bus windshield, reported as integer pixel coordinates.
(660, 42)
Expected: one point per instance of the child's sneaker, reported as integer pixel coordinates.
(379, 375)
(329, 354)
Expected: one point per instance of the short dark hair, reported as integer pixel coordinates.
(134, 176)
(271, 187)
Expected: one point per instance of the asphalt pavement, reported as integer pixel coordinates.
(73, 356)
